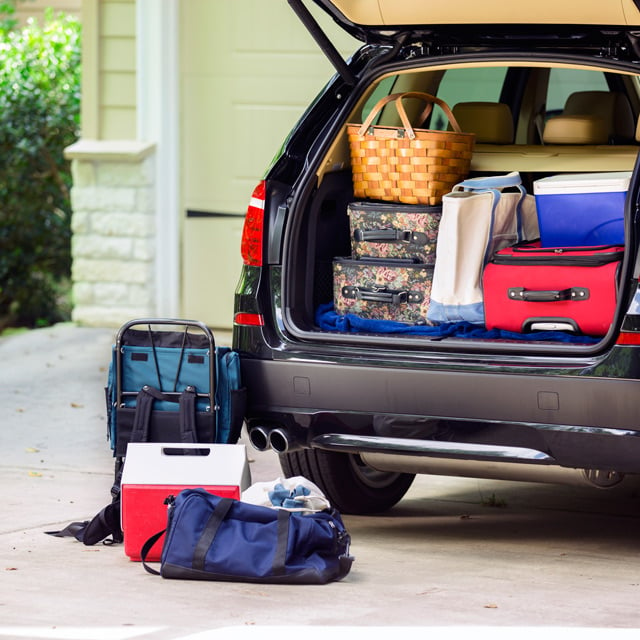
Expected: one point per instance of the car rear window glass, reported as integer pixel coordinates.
(384, 88)
(468, 85)
(457, 85)
(564, 82)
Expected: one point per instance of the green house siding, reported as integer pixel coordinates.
(248, 70)
(184, 105)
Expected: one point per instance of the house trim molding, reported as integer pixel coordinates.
(157, 121)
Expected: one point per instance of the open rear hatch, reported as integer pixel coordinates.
(384, 16)
(608, 25)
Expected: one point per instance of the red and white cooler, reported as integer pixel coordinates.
(153, 471)
(529, 288)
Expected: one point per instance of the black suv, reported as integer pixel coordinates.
(360, 412)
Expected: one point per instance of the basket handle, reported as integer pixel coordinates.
(398, 98)
(403, 114)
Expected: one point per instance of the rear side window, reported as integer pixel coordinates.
(457, 85)
(384, 88)
(468, 85)
(564, 82)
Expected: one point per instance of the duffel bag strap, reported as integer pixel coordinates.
(209, 532)
(146, 547)
(280, 556)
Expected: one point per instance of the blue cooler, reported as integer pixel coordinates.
(581, 210)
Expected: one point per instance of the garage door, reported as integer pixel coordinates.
(248, 69)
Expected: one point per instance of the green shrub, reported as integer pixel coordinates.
(8, 20)
(39, 117)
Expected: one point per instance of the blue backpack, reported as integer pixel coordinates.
(172, 386)
(167, 382)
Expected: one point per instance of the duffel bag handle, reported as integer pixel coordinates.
(398, 98)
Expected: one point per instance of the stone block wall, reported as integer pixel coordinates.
(114, 233)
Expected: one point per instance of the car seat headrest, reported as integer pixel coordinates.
(612, 106)
(492, 122)
(576, 130)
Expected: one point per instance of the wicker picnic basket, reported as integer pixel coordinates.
(405, 164)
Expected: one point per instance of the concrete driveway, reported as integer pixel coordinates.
(493, 558)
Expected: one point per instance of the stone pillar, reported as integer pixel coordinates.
(114, 232)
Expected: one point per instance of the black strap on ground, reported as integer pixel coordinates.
(104, 524)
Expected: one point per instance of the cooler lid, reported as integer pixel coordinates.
(171, 463)
(583, 183)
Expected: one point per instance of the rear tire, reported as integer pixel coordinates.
(349, 484)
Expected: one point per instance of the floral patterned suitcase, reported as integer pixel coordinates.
(390, 289)
(387, 230)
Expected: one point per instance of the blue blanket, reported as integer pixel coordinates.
(328, 320)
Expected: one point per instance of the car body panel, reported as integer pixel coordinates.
(394, 13)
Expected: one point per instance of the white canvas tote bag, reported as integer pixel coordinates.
(478, 219)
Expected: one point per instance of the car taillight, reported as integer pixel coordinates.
(628, 338)
(249, 319)
(251, 246)
(630, 329)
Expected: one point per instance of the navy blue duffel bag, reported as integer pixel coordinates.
(214, 538)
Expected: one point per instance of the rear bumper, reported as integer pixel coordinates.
(297, 386)
(569, 421)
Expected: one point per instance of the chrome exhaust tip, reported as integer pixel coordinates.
(279, 440)
(259, 438)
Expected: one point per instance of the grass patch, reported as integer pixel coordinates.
(12, 331)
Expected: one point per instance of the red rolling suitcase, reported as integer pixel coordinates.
(528, 288)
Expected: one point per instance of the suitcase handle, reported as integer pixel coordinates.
(382, 294)
(574, 294)
(390, 261)
(390, 235)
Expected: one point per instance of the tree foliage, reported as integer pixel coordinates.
(39, 117)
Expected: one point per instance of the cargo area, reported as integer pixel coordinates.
(574, 169)
(326, 248)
